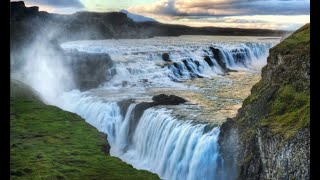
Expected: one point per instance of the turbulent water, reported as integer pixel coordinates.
(176, 142)
(141, 59)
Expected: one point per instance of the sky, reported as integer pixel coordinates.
(266, 14)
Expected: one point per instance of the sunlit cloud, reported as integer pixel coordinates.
(225, 7)
(271, 14)
(283, 22)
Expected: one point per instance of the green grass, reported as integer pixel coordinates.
(49, 143)
(20, 90)
(298, 40)
(290, 106)
(290, 111)
(256, 91)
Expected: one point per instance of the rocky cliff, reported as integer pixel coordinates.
(270, 137)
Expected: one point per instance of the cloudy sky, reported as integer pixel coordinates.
(271, 14)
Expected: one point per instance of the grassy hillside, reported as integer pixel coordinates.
(49, 143)
(284, 90)
(298, 40)
(290, 112)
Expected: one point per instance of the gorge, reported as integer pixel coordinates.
(169, 118)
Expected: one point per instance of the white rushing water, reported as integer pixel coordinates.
(159, 141)
(173, 149)
(139, 60)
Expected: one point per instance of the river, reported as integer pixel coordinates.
(174, 141)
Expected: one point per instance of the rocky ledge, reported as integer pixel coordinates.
(158, 100)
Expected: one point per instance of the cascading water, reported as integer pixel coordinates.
(138, 60)
(159, 141)
(172, 148)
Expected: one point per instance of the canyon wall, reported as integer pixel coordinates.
(270, 136)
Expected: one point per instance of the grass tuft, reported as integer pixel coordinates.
(290, 111)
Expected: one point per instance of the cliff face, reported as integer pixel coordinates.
(28, 24)
(270, 136)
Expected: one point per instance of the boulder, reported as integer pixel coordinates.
(163, 99)
(166, 57)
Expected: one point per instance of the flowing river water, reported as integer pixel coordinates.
(180, 141)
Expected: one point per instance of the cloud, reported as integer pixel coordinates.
(57, 6)
(224, 7)
(57, 3)
(283, 22)
(269, 14)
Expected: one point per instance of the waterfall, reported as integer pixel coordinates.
(144, 61)
(174, 149)
(160, 143)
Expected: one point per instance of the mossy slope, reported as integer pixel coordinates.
(49, 143)
(290, 112)
(300, 39)
(286, 111)
(271, 131)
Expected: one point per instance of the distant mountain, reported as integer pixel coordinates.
(26, 23)
(137, 17)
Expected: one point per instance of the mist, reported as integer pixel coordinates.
(42, 66)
